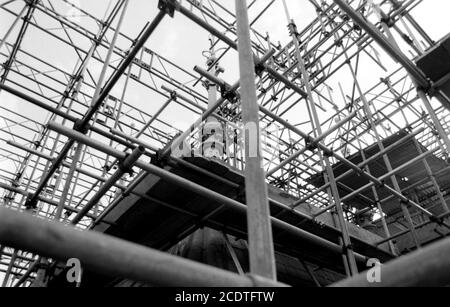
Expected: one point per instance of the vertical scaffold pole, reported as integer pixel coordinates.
(345, 241)
(261, 250)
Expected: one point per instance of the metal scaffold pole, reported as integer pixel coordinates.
(261, 249)
(116, 257)
(347, 247)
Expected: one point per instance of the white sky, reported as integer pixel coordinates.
(181, 41)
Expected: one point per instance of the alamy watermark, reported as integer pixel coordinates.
(374, 274)
(214, 137)
(72, 11)
(75, 271)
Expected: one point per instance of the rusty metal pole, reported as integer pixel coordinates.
(260, 237)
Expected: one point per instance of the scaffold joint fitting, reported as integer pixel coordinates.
(167, 6)
(437, 220)
(80, 127)
(31, 202)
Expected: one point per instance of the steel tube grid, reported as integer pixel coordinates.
(232, 204)
(278, 77)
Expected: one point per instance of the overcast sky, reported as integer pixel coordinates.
(180, 40)
(183, 42)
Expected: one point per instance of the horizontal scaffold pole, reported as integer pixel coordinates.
(114, 257)
(196, 188)
(427, 267)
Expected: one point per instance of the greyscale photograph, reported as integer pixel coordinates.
(224, 150)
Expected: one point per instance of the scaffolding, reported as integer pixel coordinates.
(343, 118)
